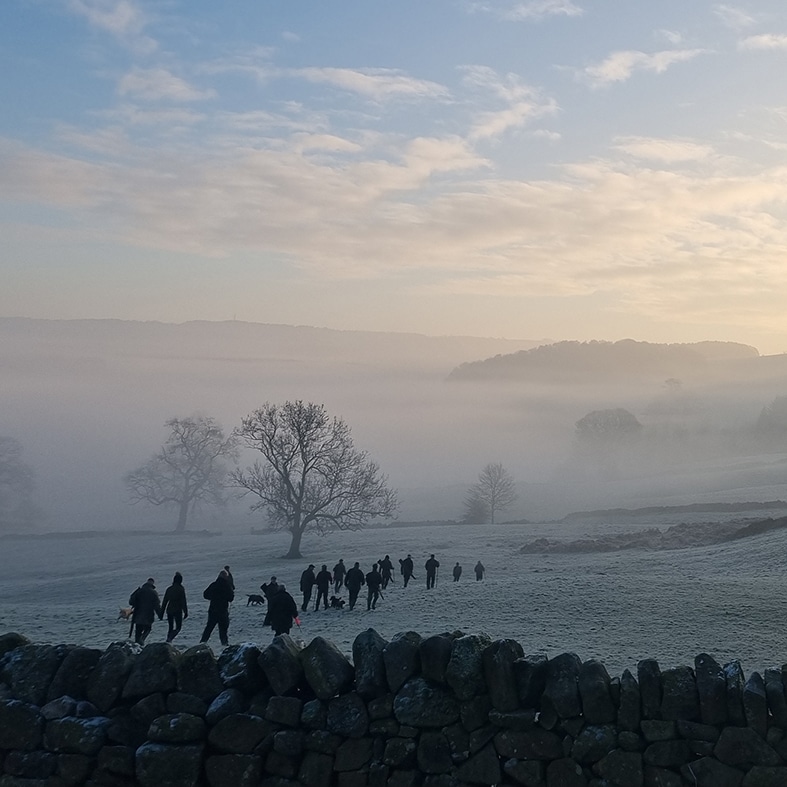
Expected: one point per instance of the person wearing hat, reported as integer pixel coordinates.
(174, 606)
(323, 580)
(307, 584)
(146, 604)
(269, 590)
(220, 594)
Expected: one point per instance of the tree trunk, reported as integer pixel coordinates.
(295, 544)
(182, 516)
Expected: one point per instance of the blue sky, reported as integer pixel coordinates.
(565, 169)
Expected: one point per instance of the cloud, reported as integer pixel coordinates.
(159, 84)
(123, 19)
(765, 41)
(734, 18)
(378, 84)
(620, 66)
(664, 150)
(531, 10)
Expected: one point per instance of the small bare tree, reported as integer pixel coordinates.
(312, 478)
(190, 468)
(494, 491)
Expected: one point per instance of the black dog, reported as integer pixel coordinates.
(256, 600)
(337, 603)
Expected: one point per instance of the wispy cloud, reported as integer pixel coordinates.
(734, 17)
(620, 66)
(664, 150)
(123, 19)
(375, 83)
(526, 11)
(765, 41)
(159, 84)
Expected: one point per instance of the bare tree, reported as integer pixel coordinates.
(17, 485)
(190, 468)
(476, 511)
(311, 479)
(494, 491)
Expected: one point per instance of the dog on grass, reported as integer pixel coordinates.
(337, 603)
(255, 600)
(125, 613)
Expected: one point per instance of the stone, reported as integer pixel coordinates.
(561, 690)
(239, 733)
(477, 739)
(116, 759)
(531, 675)
(774, 695)
(475, 712)
(434, 653)
(697, 732)
(458, 742)
(565, 773)
(353, 754)
(743, 748)
(420, 703)
(86, 710)
(316, 770)
(160, 764)
(30, 764)
(654, 730)
(402, 778)
(76, 736)
(536, 744)
(233, 770)
(177, 728)
(72, 676)
(629, 708)
(402, 659)
(30, 669)
(434, 753)
(755, 706)
(513, 720)
(109, 676)
(622, 769)
(288, 742)
(400, 752)
(711, 688)
(314, 715)
(198, 673)
(239, 668)
(707, 772)
(148, 708)
(370, 676)
(326, 669)
(347, 716)
(594, 691)
(630, 741)
(284, 710)
(59, 708)
(498, 663)
(594, 743)
(281, 664)
(74, 769)
(322, 741)
(679, 699)
(465, 670)
(733, 675)
(228, 702)
(649, 679)
(668, 754)
(661, 777)
(179, 702)
(11, 641)
(279, 765)
(526, 772)
(481, 768)
(125, 730)
(380, 707)
(762, 776)
(154, 670)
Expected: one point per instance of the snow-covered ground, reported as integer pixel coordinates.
(726, 600)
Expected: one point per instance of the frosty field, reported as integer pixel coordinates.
(726, 600)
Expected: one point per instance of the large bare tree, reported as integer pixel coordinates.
(190, 468)
(311, 477)
(494, 491)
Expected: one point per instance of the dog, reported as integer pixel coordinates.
(337, 603)
(255, 600)
(125, 613)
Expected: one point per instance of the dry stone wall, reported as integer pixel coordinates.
(444, 711)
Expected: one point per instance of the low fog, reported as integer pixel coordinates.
(87, 401)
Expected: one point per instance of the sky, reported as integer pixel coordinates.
(562, 169)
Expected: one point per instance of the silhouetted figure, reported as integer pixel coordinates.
(406, 569)
(353, 581)
(146, 605)
(219, 593)
(269, 590)
(283, 611)
(323, 581)
(457, 572)
(339, 572)
(174, 606)
(230, 578)
(431, 567)
(479, 571)
(373, 582)
(307, 583)
(386, 571)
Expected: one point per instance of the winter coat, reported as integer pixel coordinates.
(374, 580)
(324, 579)
(432, 565)
(282, 611)
(146, 604)
(354, 579)
(339, 570)
(174, 600)
(407, 566)
(220, 594)
(307, 580)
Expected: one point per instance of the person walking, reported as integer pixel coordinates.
(220, 594)
(269, 590)
(307, 584)
(323, 581)
(457, 572)
(431, 567)
(353, 581)
(284, 611)
(386, 571)
(147, 605)
(479, 571)
(406, 568)
(339, 572)
(174, 606)
(373, 582)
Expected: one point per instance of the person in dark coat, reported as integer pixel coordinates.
(479, 571)
(230, 578)
(339, 572)
(431, 567)
(220, 594)
(353, 581)
(174, 606)
(146, 605)
(406, 568)
(386, 571)
(457, 572)
(307, 583)
(269, 590)
(323, 581)
(283, 611)
(374, 581)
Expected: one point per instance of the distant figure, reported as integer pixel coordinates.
(457, 572)
(146, 604)
(220, 594)
(307, 584)
(230, 577)
(353, 581)
(283, 611)
(406, 569)
(373, 582)
(323, 580)
(339, 572)
(479, 571)
(431, 567)
(386, 571)
(269, 590)
(174, 606)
